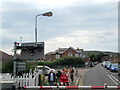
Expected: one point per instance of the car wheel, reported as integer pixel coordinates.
(111, 70)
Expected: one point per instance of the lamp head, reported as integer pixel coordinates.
(47, 14)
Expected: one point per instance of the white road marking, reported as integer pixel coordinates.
(106, 72)
(115, 78)
(112, 79)
(116, 81)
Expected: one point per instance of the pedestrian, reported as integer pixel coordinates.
(65, 70)
(64, 79)
(72, 72)
(58, 77)
(58, 74)
(51, 78)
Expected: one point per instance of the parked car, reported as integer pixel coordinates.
(95, 63)
(92, 64)
(114, 67)
(44, 70)
(108, 66)
(105, 63)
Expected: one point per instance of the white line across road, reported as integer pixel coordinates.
(112, 79)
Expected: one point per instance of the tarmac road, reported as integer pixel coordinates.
(98, 76)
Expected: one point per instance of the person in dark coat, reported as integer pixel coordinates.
(51, 78)
(58, 76)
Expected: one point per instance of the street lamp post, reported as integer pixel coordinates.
(44, 14)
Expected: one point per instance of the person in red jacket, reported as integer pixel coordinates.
(64, 79)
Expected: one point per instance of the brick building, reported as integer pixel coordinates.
(64, 52)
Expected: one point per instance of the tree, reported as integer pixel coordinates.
(8, 67)
(92, 57)
(98, 57)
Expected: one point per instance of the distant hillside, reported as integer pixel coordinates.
(4, 57)
(98, 52)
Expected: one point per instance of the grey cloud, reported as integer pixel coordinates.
(18, 19)
(65, 18)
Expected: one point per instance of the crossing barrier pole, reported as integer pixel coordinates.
(73, 87)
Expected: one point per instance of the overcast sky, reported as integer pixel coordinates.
(87, 24)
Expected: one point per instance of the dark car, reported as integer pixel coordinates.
(91, 64)
(114, 67)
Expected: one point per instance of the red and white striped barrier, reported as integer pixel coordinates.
(73, 87)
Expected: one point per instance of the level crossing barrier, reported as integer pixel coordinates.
(72, 87)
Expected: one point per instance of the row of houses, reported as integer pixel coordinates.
(64, 52)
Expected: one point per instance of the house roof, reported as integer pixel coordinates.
(62, 50)
(79, 50)
(49, 53)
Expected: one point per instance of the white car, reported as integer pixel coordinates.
(105, 63)
(44, 70)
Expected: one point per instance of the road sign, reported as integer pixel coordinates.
(32, 51)
(21, 65)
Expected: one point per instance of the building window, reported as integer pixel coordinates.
(70, 54)
(57, 56)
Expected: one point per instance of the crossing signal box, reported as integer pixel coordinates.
(20, 65)
(32, 51)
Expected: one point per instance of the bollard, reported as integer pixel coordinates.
(39, 80)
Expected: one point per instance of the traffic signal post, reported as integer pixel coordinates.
(14, 58)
